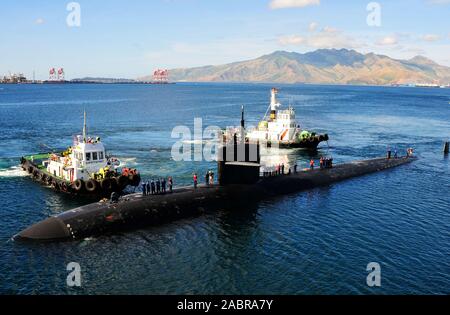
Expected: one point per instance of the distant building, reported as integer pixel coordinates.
(14, 78)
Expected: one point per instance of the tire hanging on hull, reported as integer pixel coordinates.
(91, 185)
(78, 185)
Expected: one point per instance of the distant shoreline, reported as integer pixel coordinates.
(81, 82)
(71, 82)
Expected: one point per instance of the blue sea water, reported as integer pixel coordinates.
(313, 242)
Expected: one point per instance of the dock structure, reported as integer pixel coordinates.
(135, 211)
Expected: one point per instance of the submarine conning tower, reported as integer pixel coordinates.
(238, 160)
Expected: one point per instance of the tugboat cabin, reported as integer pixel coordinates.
(280, 125)
(81, 161)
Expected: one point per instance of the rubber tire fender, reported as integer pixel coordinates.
(55, 184)
(36, 173)
(63, 186)
(78, 185)
(91, 185)
(38, 176)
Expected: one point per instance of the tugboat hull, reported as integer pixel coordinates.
(91, 188)
(309, 144)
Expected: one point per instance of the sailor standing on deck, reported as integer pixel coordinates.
(147, 187)
(163, 185)
(158, 186)
(195, 180)
(153, 186)
(144, 188)
(170, 181)
(311, 164)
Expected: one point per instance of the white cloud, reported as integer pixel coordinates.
(333, 39)
(291, 40)
(388, 41)
(39, 21)
(313, 26)
(327, 38)
(328, 29)
(283, 4)
(431, 37)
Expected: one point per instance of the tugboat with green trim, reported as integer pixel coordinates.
(280, 128)
(83, 169)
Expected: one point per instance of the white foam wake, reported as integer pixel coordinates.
(14, 171)
(127, 162)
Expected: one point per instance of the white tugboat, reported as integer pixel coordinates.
(84, 168)
(279, 127)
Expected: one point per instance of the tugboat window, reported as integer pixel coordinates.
(94, 156)
(100, 155)
(88, 156)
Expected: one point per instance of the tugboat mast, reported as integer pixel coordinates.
(274, 104)
(84, 127)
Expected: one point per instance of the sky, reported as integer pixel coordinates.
(131, 38)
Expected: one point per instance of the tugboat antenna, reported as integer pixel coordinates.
(242, 117)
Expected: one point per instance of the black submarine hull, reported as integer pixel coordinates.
(136, 210)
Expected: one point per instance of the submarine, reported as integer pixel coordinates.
(240, 182)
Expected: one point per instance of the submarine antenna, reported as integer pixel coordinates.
(242, 117)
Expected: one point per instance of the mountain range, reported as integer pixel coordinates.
(323, 66)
